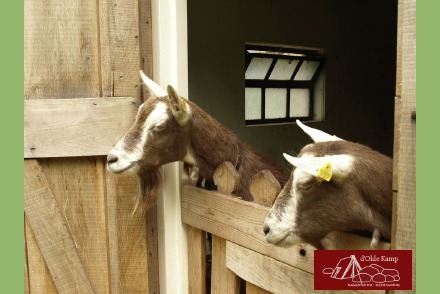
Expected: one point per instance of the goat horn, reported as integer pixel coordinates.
(316, 135)
(155, 89)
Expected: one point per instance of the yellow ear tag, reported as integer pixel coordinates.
(325, 172)
(183, 104)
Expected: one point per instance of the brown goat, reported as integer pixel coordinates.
(170, 128)
(336, 185)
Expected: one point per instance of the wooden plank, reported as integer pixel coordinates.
(267, 273)
(399, 48)
(75, 127)
(61, 53)
(396, 143)
(406, 198)
(26, 271)
(146, 40)
(153, 252)
(196, 261)
(124, 47)
(105, 70)
(222, 279)
(242, 222)
(394, 221)
(252, 289)
(265, 188)
(40, 280)
(78, 185)
(130, 255)
(226, 178)
(52, 233)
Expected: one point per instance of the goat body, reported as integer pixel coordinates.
(336, 185)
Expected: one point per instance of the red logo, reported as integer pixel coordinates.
(363, 269)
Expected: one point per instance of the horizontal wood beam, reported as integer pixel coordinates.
(242, 223)
(271, 275)
(265, 272)
(76, 127)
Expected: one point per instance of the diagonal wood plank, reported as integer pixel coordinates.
(51, 233)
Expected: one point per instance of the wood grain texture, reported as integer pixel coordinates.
(105, 69)
(40, 281)
(128, 242)
(75, 127)
(265, 188)
(269, 274)
(52, 233)
(396, 143)
(26, 271)
(81, 50)
(124, 47)
(405, 237)
(399, 48)
(222, 279)
(252, 289)
(196, 261)
(242, 222)
(78, 185)
(226, 178)
(153, 252)
(146, 40)
(61, 53)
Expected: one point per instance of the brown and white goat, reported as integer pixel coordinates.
(336, 185)
(170, 128)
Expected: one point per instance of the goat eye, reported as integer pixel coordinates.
(159, 128)
(305, 186)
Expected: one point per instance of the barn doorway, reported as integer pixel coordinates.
(359, 42)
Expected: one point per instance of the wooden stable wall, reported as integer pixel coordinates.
(81, 91)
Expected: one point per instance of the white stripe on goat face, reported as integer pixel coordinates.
(127, 157)
(282, 218)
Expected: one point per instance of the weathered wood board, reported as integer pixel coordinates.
(75, 127)
(405, 207)
(52, 233)
(78, 57)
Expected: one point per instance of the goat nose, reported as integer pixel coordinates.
(266, 229)
(112, 158)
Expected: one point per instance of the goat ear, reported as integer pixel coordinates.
(315, 134)
(154, 89)
(179, 106)
(336, 167)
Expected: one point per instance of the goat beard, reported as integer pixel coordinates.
(150, 184)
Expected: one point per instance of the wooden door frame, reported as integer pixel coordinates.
(170, 66)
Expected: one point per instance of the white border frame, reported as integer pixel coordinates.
(170, 66)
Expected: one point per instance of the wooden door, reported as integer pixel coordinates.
(82, 90)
